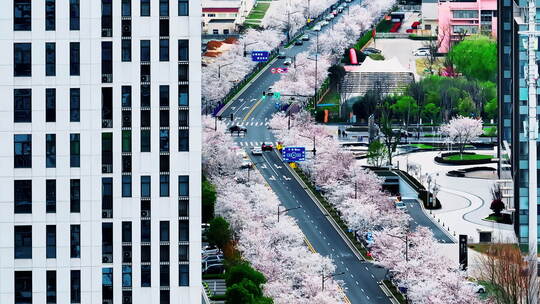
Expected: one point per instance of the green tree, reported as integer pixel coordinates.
(238, 293)
(491, 108)
(476, 57)
(219, 232)
(430, 112)
(243, 271)
(376, 153)
(337, 72)
(209, 196)
(405, 108)
(465, 106)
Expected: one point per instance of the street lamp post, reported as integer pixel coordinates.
(289, 13)
(324, 278)
(246, 45)
(286, 210)
(221, 66)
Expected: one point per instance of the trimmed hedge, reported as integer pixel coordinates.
(418, 37)
(442, 159)
(462, 172)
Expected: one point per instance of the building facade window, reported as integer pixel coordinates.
(22, 15)
(51, 286)
(106, 60)
(183, 95)
(183, 72)
(145, 186)
(75, 241)
(183, 118)
(50, 241)
(163, 8)
(126, 50)
(50, 105)
(23, 242)
(75, 292)
(183, 253)
(75, 58)
(50, 15)
(75, 105)
(75, 150)
(50, 59)
(145, 50)
(75, 195)
(145, 95)
(23, 287)
(163, 49)
(107, 242)
(23, 151)
(183, 231)
(126, 96)
(22, 59)
(126, 8)
(126, 140)
(183, 8)
(145, 8)
(74, 15)
(183, 50)
(50, 196)
(183, 185)
(183, 140)
(106, 18)
(126, 185)
(183, 274)
(145, 140)
(468, 14)
(163, 185)
(22, 193)
(164, 140)
(22, 105)
(146, 276)
(50, 150)
(107, 285)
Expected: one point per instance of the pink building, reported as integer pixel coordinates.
(464, 18)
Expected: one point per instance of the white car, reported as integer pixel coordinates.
(324, 23)
(421, 53)
(288, 61)
(317, 28)
(401, 205)
(348, 1)
(476, 287)
(256, 151)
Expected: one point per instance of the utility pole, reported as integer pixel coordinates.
(531, 37)
(221, 66)
(283, 211)
(324, 278)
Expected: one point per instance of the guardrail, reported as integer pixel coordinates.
(205, 298)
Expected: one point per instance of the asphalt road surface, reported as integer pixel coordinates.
(361, 278)
(419, 218)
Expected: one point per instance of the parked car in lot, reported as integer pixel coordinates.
(214, 269)
(237, 129)
(421, 53)
(256, 151)
(305, 37)
(476, 287)
(298, 42)
(370, 51)
(267, 146)
(213, 258)
(287, 61)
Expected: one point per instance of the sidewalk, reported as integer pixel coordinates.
(465, 201)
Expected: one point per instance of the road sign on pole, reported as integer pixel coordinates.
(260, 56)
(294, 154)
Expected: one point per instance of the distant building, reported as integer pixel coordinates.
(463, 18)
(430, 14)
(223, 17)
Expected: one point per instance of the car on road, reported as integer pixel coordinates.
(298, 42)
(305, 37)
(329, 17)
(281, 55)
(340, 9)
(317, 28)
(246, 164)
(256, 151)
(476, 287)
(287, 61)
(400, 205)
(371, 51)
(334, 12)
(237, 129)
(348, 1)
(421, 53)
(267, 146)
(324, 23)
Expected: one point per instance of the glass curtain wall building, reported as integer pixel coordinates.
(100, 169)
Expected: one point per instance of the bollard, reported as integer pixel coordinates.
(449, 228)
(439, 220)
(443, 224)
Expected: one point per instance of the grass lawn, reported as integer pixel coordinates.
(493, 218)
(422, 146)
(483, 248)
(258, 11)
(468, 157)
(331, 98)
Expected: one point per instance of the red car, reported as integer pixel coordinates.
(267, 146)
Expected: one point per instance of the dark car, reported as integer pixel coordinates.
(299, 42)
(371, 51)
(281, 55)
(237, 129)
(267, 146)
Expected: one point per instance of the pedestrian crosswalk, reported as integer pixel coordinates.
(246, 123)
(251, 144)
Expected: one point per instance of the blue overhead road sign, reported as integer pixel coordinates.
(260, 56)
(294, 154)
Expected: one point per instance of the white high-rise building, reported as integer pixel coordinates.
(100, 151)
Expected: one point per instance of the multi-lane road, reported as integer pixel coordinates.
(361, 278)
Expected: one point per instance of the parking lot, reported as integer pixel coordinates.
(402, 49)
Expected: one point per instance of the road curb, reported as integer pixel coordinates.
(431, 218)
(388, 293)
(226, 106)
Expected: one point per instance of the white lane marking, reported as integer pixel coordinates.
(362, 289)
(374, 276)
(367, 269)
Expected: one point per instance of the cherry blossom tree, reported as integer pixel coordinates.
(462, 130)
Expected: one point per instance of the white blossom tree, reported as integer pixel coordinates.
(462, 130)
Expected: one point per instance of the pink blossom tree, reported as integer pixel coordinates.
(462, 130)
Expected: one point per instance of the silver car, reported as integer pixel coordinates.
(288, 61)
